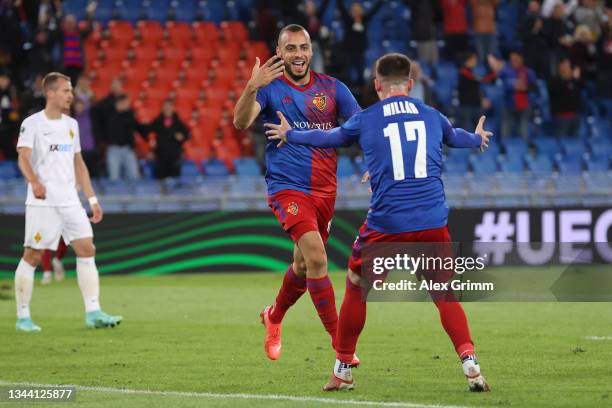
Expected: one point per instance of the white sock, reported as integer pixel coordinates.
(24, 282)
(89, 282)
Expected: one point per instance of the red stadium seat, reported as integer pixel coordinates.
(135, 74)
(261, 50)
(205, 32)
(145, 55)
(167, 74)
(114, 53)
(195, 73)
(234, 30)
(150, 32)
(202, 55)
(187, 94)
(225, 77)
(174, 54)
(216, 95)
(121, 31)
(179, 33)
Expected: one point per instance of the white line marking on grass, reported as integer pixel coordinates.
(598, 338)
(269, 397)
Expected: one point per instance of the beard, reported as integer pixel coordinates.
(297, 77)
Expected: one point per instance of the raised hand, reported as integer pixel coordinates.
(485, 135)
(266, 73)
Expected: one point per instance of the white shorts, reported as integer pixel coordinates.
(45, 225)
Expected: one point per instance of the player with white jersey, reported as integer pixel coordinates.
(51, 162)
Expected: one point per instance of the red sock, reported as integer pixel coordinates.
(61, 249)
(322, 294)
(351, 322)
(292, 289)
(456, 326)
(46, 261)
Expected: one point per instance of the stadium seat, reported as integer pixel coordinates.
(455, 166)
(158, 11)
(511, 164)
(247, 166)
(234, 31)
(215, 168)
(150, 32)
(121, 32)
(547, 146)
(597, 162)
(540, 164)
(572, 147)
(483, 164)
(185, 10)
(190, 171)
(345, 167)
(8, 170)
(515, 147)
(206, 32)
(569, 164)
(179, 33)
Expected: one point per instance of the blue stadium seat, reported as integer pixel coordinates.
(118, 188)
(573, 147)
(598, 162)
(247, 166)
(512, 164)
(75, 7)
(189, 171)
(345, 167)
(483, 164)
(601, 146)
(547, 146)
(104, 12)
(158, 11)
(570, 165)
(215, 168)
(447, 73)
(186, 10)
(147, 169)
(455, 166)
(146, 187)
(516, 147)
(540, 164)
(9, 170)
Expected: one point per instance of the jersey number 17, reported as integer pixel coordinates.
(415, 131)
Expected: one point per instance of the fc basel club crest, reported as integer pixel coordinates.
(320, 101)
(293, 208)
(71, 134)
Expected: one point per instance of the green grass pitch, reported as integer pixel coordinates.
(197, 336)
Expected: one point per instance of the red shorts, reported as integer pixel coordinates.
(370, 236)
(299, 213)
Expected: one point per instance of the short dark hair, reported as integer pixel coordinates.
(292, 28)
(51, 79)
(393, 67)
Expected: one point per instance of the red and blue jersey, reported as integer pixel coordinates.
(317, 105)
(402, 140)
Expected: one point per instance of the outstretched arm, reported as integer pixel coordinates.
(336, 137)
(456, 137)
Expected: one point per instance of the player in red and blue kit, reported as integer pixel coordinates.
(402, 142)
(301, 180)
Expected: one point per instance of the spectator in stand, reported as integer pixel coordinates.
(122, 125)
(548, 6)
(604, 60)
(313, 22)
(484, 28)
(9, 116)
(170, 133)
(455, 28)
(472, 102)
(40, 57)
(83, 99)
(103, 109)
(518, 82)
(590, 14)
(426, 15)
(534, 39)
(33, 98)
(73, 38)
(564, 91)
(583, 52)
(421, 88)
(559, 33)
(355, 39)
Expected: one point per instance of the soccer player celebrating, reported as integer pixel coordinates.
(301, 180)
(51, 162)
(402, 142)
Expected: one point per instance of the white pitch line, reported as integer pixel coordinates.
(598, 338)
(269, 397)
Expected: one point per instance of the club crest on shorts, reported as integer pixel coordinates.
(320, 101)
(37, 237)
(293, 208)
(71, 133)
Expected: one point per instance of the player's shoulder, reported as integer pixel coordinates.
(33, 118)
(69, 119)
